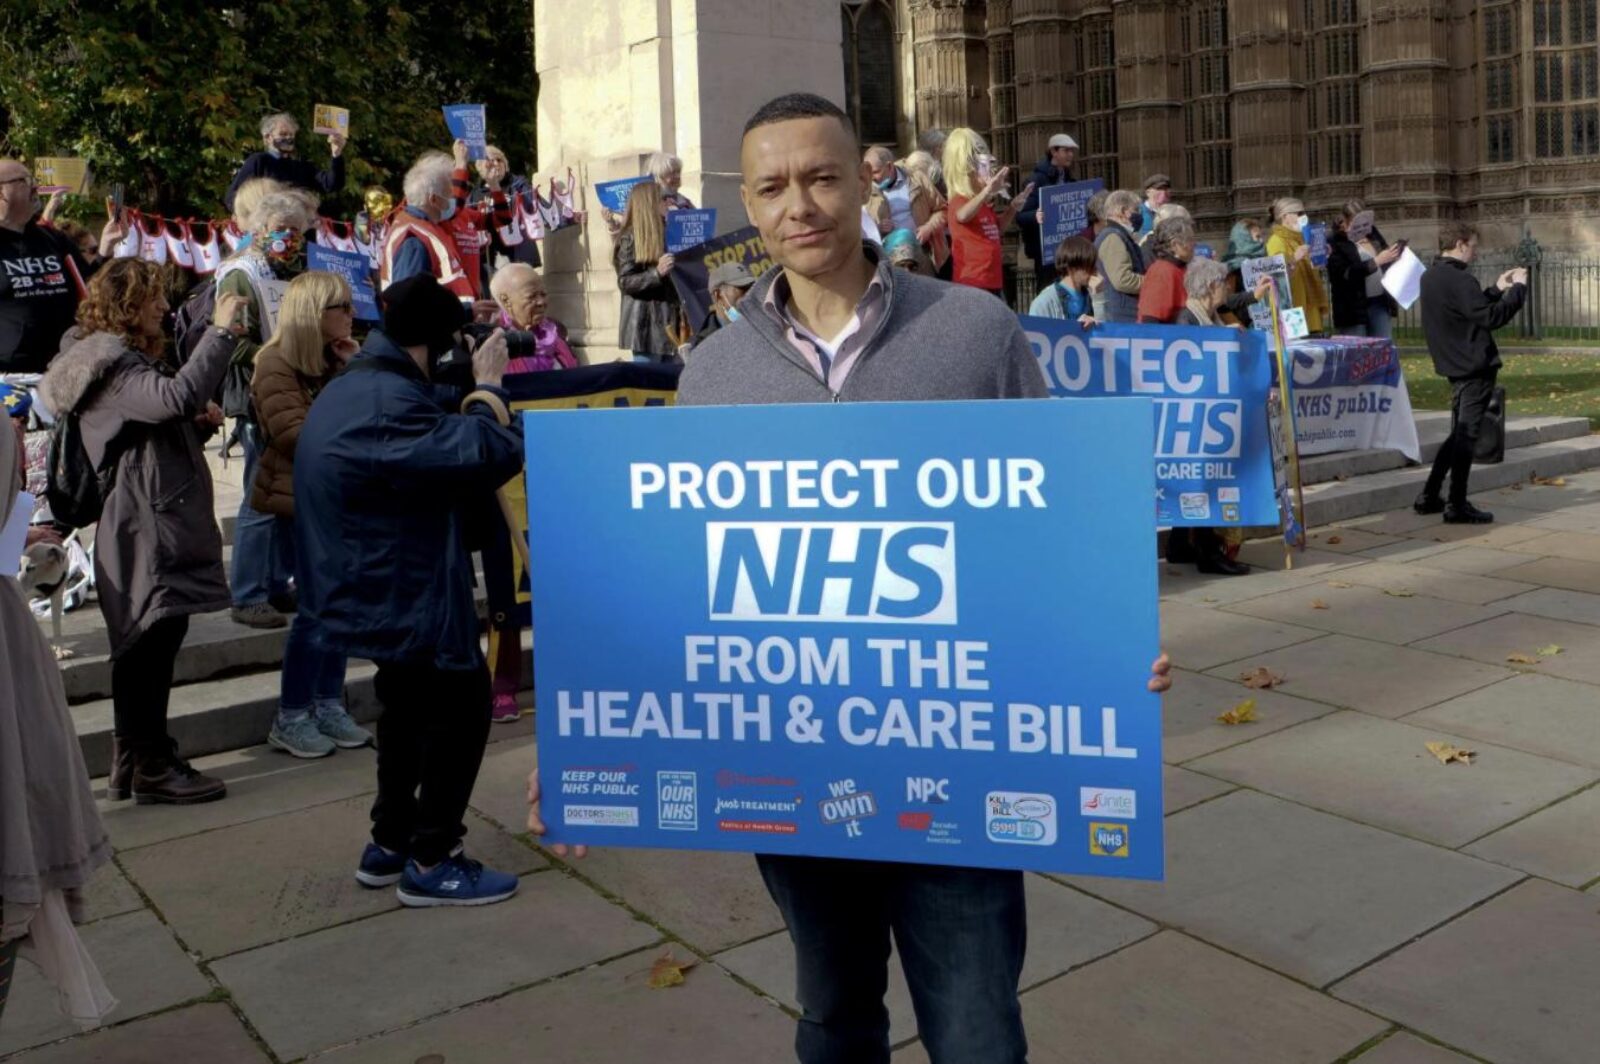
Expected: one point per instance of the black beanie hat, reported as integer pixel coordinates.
(418, 312)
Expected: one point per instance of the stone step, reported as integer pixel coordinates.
(1432, 428)
(1396, 488)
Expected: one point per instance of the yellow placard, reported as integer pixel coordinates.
(63, 174)
(326, 118)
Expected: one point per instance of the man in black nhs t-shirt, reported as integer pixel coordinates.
(41, 277)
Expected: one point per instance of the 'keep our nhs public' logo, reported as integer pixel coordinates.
(1021, 819)
(677, 805)
(838, 571)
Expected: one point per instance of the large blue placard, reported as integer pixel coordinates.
(909, 632)
(1066, 213)
(613, 195)
(467, 122)
(355, 269)
(1212, 449)
(687, 229)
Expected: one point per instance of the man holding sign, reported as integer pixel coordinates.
(837, 323)
(278, 161)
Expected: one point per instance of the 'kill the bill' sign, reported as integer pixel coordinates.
(912, 632)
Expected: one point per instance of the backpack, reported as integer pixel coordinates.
(189, 324)
(76, 490)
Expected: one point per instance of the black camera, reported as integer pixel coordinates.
(519, 344)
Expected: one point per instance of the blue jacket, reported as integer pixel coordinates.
(382, 475)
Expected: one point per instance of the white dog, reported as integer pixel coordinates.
(45, 569)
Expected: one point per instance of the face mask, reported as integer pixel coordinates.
(733, 314)
(281, 245)
(283, 145)
(887, 183)
(449, 211)
(1301, 221)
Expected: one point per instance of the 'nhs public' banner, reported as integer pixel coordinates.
(1213, 454)
(831, 630)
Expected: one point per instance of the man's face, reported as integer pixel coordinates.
(1061, 158)
(882, 169)
(671, 180)
(803, 189)
(729, 295)
(492, 169)
(1467, 250)
(280, 138)
(1158, 197)
(17, 197)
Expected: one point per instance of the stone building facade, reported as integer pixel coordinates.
(1428, 109)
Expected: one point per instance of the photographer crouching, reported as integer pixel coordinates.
(383, 475)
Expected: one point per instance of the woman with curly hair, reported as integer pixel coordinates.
(158, 552)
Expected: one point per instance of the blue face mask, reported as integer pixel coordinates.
(733, 314)
(449, 211)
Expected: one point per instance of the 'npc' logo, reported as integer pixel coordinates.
(851, 571)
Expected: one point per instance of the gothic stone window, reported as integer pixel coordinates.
(1502, 75)
(1097, 91)
(1333, 104)
(1207, 122)
(1002, 59)
(1566, 79)
(870, 89)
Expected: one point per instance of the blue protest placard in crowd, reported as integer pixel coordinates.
(1065, 213)
(466, 122)
(687, 229)
(1316, 236)
(356, 269)
(1213, 454)
(898, 631)
(613, 195)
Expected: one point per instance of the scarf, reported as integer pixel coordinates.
(1203, 315)
(550, 350)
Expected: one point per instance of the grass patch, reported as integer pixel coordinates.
(1549, 385)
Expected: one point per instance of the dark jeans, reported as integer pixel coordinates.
(961, 932)
(141, 683)
(1469, 401)
(431, 736)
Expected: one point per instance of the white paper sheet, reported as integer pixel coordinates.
(1403, 280)
(14, 537)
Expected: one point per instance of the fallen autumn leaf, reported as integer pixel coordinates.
(668, 971)
(1522, 659)
(1260, 678)
(1400, 592)
(1243, 713)
(1340, 583)
(1550, 651)
(1448, 752)
(1318, 604)
(1335, 540)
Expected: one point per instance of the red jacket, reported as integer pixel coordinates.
(1162, 295)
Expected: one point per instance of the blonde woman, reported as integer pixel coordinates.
(1305, 280)
(649, 301)
(311, 343)
(975, 227)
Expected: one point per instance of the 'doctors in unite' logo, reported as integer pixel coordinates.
(1019, 818)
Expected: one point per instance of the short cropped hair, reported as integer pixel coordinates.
(282, 116)
(1096, 207)
(796, 105)
(1203, 275)
(1121, 201)
(1074, 253)
(1453, 233)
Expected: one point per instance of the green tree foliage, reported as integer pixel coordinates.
(166, 96)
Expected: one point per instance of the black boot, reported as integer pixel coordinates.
(119, 788)
(1464, 513)
(1180, 546)
(1427, 503)
(161, 777)
(1210, 557)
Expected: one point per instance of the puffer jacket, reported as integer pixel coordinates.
(158, 551)
(649, 304)
(282, 398)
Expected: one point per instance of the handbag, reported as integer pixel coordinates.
(1491, 445)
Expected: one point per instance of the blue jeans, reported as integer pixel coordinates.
(1379, 321)
(312, 677)
(962, 933)
(263, 547)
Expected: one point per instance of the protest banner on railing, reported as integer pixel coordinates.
(912, 632)
(1350, 395)
(1213, 457)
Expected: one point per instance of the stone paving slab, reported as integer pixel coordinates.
(1199, 638)
(769, 964)
(1402, 1047)
(142, 965)
(1478, 561)
(1407, 551)
(1182, 583)
(1492, 641)
(1578, 491)
(1181, 788)
(336, 986)
(109, 894)
(1434, 583)
(1579, 546)
(1582, 518)
(1542, 715)
(1512, 524)
(1349, 540)
(1389, 522)
(1365, 612)
(1377, 678)
(261, 783)
(1304, 893)
(1560, 842)
(603, 1015)
(1379, 772)
(1189, 711)
(211, 1030)
(1177, 1001)
(1558, 604)
(1557, 572)
(501, 793)
(1514, 981)
(303, 875)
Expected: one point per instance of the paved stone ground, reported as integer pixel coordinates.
(1334, 893)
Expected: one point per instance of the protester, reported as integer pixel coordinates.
(310, 344)
(650, 309)
(906, 199)
(262, 554)
(1305, 285)
(667, 169)
(1357, 257)
(902, 250)
(494, 170)
(727, 285)
(974, 226)
(248, 199)
(1119, 261)
(475, 230)
(525, 305)
(158, 551)
(418, 242)
(42, 275)
(1071, 295)
(1246, 241)
(1054, 169)
(87, 243)
(1165, 211)
(278, 161)
(895, 336)
(1162, 295)
(383, 472)
(920, 162)
(1095, 213)
(51, 837)
(1458, 320)
(1157, 191)
(1208, 296)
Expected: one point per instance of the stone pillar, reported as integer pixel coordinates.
(1047, 76)
(622, 79)
(1406, 88)
(1269, 107)
(952, 61)
(1149, 92)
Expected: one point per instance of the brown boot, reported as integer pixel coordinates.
(160, 776)
(119, 788)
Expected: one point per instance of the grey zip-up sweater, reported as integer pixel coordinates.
(935, 341)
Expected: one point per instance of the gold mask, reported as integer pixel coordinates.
(379, 202)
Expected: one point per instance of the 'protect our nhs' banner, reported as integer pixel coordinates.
(1212, 449)
(831, 630)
